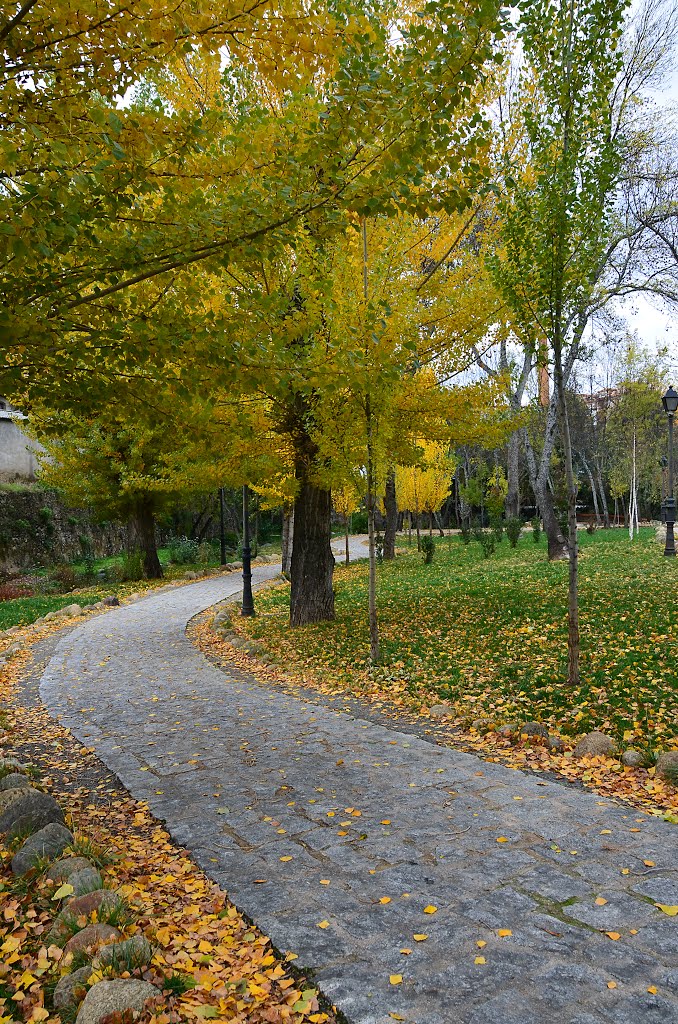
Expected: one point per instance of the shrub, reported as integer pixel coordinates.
(536, 529)
(591, 528)
(465, 532)
(514, 527)
(487, 543)
(64, 576)
(428, 546)
(132, 567)
(497, 526)
(12, 591)
(205, 552)
(182, 551)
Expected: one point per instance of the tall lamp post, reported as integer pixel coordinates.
(247, 599)
(670, 403)
(222, 526)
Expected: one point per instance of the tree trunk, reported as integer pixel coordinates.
(144, 527)
(557, 545)
(512, 504)
(418, 532)
(312, 596)
(430, 524)
(602, 496)
(594, 491)
(439, 523)
(347, 552)
(391, 507)
(287, 538)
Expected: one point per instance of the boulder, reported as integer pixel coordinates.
(11, 764)
(62, 869)
(101, 901)
(92, 938)
(482, 724)
(440, 710)
(23, 811)
(85, 880)
(72, 610)
(667, 765)
(532, 729)
(71, 990)
(50, 842)
(632, 758)
(110, 602)
(594, 744)
(14, 781)
(191, 575)
(127, 955)
(555, 742)
(107, 997)
(507, 729)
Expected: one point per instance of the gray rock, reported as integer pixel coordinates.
(85, 880)
(191, 575)
(507, 729)
(103, 901)
(71, 989)
(72, 610)
(533, 729)
(92, 938)
(236, 565)
(555, 742)
(14, 781)
(594, 744)
(440, 710)
(632, 758)
(110, 602)
(667, 765)
(50, 841)
(115, 996)
(62, 869)
(127, 955)
(13, 765)
(23, 811)
(13, 649)
(481, 724)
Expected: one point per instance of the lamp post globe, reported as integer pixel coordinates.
(670, 403)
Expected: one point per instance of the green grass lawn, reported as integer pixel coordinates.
(490, 635)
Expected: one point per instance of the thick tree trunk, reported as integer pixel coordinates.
(144, 528)
(287, 537)
(513, 477)
(557, 545)
(312, 596)
(391, 507)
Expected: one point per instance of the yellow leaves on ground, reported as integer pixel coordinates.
(665, 909)
(396, 979)
(613, 935)
(600, 901)
(385, 899)
(479, 960)
(504, 933)
(430, 909)
(323, 924)
(419, 937)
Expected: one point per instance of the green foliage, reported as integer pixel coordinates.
(536, 529)
(514, 528)
(131, 568)
(178, 982)
(487, 542)
(183, 550)
(428, 546)
(465, 531)
(497, 527)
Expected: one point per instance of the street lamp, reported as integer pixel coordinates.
(670, 403)
(247, 599)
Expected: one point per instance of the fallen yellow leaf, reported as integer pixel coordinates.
(385, 899)
(323, 924)
(480, 943)
(286, 859)
(419, 937)
(503, 932)
(479, 960)
(502, 839)
(406, 951)
(396, 979)
(652, 989)
(612, 984)
(649, 864)
(613, 935)
(665, 909)
(600, 902)
(325, 881)
(430, 909)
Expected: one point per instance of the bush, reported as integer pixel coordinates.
(497, 526)
(514, 528)
(183, 551)
(428, 546)
(465, 532)
(12, 591)
(359, 522)
(487, 543)
(591, 528)
(205, 553)
(131, 568)
(64, 576)
(536, 529)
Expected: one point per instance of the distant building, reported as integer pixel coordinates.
(18, 453)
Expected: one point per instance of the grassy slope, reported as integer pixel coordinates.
(490, 635)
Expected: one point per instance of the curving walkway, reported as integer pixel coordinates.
(336, 834)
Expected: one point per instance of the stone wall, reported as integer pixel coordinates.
(36, 528)
(17, 452)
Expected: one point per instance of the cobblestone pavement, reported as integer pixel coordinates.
(339, 836)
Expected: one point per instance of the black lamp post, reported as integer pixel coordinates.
(670, 403)
(247, 599)
(222, 526)
(664, 463)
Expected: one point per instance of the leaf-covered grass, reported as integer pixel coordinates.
(490, 635)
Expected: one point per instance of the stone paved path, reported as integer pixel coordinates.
(248, 777)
